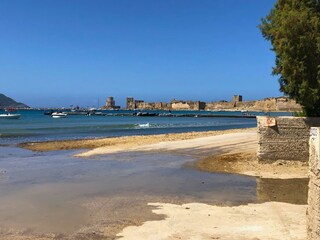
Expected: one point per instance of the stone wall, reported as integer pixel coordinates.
(219, 105)
(313, 213)
(267, 105)
(187, 105)
(284, 138)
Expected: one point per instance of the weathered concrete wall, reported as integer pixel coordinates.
(288, 139)
(313, 214)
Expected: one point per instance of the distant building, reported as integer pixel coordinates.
(237, 98)
(187, 105)
(130, 103)
(134, 104)
(110, 103)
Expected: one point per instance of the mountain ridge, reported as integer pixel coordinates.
(7, 102)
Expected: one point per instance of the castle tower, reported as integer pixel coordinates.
(130, 103)
(110, 103)
(237, 98)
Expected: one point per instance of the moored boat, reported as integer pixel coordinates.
(59, 115)
(10, 116)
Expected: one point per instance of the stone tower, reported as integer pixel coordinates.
(130, 103)
(110, 103)
(237, 98)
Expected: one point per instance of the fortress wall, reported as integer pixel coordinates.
(289, 105)
(219, 105)
(181, 106)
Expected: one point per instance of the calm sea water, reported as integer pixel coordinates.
(35, 126)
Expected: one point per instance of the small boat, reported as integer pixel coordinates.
(10, 116)
(59, 115)
(146, 114)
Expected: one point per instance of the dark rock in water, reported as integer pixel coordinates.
(6, 102)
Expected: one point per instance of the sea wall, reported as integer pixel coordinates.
(284, 138)
(313, 213)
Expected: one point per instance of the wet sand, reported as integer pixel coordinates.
(51, 195)
(246, 163)
(185, 218)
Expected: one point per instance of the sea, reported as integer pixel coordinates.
(58, 195)
(35, 126)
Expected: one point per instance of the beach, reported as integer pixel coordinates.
(277, 214)
(229, 151)
(160, 120)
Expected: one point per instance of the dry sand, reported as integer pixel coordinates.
(121, 143)
(267, 221)
(223, 142)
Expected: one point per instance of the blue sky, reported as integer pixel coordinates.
(74, 52)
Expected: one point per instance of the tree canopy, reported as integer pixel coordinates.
(293, 27)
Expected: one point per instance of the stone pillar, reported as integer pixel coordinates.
(313, 213)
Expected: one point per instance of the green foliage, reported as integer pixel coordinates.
(293, 27)
(300, 114)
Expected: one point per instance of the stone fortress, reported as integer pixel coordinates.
(111, 104)
(236, 104)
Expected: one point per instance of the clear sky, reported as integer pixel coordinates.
(74, 52)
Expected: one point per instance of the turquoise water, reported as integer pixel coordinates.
(35, 126)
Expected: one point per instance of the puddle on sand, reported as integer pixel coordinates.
(43, 208)
(56, 193)
(293, 191)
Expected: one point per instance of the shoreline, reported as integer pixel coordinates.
(122, 141)
(229, 151)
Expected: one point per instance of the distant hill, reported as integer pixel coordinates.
(6, 102)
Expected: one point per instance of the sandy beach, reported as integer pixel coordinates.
(231, 151)
(201, 221)
(121, 143)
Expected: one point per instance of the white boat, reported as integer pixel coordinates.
(10, 116)
(59, 115)
(145, 125)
